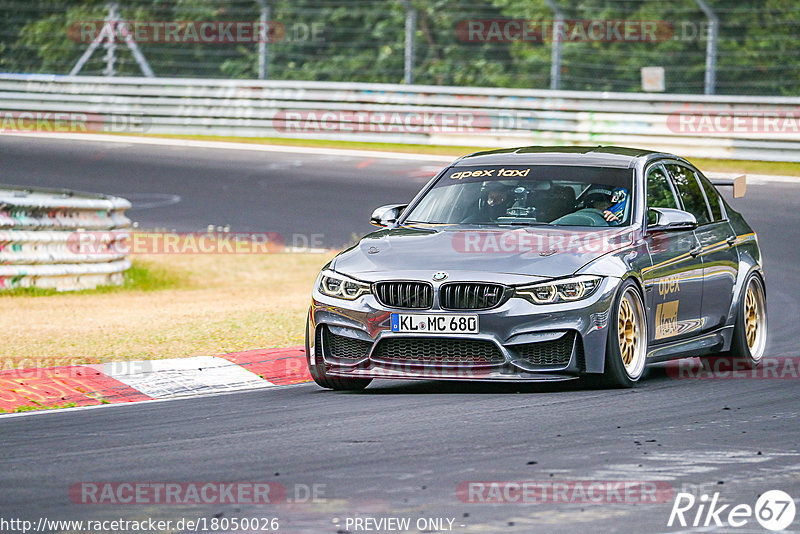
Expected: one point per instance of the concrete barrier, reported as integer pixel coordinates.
(37, 227)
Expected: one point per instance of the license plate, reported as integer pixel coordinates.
(434, 324)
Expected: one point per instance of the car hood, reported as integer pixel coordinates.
(509, 254)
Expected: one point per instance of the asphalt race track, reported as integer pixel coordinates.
(397, 449)
(329, 196)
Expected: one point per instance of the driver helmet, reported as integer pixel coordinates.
(497, 198)
(599, 194)
(619, 195)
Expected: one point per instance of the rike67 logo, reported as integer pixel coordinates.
(774, 510)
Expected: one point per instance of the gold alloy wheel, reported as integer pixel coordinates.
(632, 332)
(628, 331)
(755, 319)
(751, 317)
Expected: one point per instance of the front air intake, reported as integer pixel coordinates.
(424, 351)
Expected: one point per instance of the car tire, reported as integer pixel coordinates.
(626, 347)
(330, 382)
(749, 331)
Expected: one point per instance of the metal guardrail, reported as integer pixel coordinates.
(39, 230)
(735, 127)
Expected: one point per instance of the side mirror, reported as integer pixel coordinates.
(387, 215)
(668, 219)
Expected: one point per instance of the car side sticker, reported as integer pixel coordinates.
(669, 285)
(667, 319)
(667, 324)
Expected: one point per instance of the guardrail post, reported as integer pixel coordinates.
(111, 42)
(411, 26)
(555, 51)
(711, 47)
(263, 58)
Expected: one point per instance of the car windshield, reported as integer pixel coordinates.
(559, 195)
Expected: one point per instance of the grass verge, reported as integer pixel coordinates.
(171, 306)
(142, 276)
(454, 151)
(780, 168)
(39, 407)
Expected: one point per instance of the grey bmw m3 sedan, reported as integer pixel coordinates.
(543, 264)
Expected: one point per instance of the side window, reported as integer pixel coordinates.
(659, 193)
(712, 196)
(690, 193)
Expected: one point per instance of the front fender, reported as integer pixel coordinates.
(620, 264)
(747, 266)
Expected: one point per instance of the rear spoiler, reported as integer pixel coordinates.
(739, 185)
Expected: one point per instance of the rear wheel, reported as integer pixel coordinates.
(750, 329)
(322, 378)
(626, 349)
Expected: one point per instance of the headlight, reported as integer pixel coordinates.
(337, 285)
(567, 290)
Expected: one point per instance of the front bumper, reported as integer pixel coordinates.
(574, 334)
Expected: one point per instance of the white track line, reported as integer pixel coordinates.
(754, 179)
(54, 411)
(175, 377)
(225, 145)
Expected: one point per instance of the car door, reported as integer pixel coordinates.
(716, 237)
(674, 282)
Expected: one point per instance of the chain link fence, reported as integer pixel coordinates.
(749, 47)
